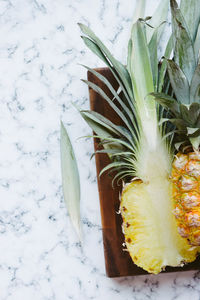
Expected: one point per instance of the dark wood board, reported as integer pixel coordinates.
(117, 261)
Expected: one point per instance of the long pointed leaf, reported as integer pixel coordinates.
(195, 86)
(101, 120)
(102, 132)
(122, 174)
(193, 132)
(195, 142)
(184, 52)
(194, 111)
(130, 113)
(96, 127)
(115, 165)
(179, 82)
(163, 68)
(194, 137)
(116, 141)
(191, 13)
(197, 44)
(187, 115)
(114, 152)
(167, 102)
(153, 50)
(121, 70)
(130, 49)
(107, 124)
(97, 89)
(141, 73)
(142, 81)
(70, 180)
(140, 10)
(158, 17)
(95, 49)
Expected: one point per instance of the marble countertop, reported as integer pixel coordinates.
(40, 258)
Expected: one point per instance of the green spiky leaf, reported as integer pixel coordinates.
(195, 86)
(153, 45)
(70, 179)
(167, 102)
(118, 165)
(97, 89)
(179, 123)
(197, 44)
(179, 82)
(95, 49)
(159, 16)
(194, 110)
(184, 51)
(114, 130)
(95, 126)
(120, 69)
(139, 10)
(129, 109)
(141, 72)
(193, 132)
(185, 114)
(191, 12)
(194, 137)
(163, 68)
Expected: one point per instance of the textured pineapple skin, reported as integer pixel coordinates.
(186, 195)
(144, 239)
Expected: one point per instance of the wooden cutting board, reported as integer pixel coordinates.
(117, 260)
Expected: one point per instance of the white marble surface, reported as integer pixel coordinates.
(40, 258)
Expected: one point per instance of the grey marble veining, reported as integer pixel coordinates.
(40, 48)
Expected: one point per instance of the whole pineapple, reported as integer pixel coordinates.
(184, 114)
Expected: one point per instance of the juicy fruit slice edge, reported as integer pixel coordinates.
(151, 236)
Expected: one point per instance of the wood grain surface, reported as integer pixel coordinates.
(117, 260)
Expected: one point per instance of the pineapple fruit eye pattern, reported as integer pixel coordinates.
(186, 195)
(160, 202)
(152, 238)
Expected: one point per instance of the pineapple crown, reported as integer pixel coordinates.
(127, 145)
(184, 75)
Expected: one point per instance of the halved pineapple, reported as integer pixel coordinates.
(184, 74)
(141, 147)
(150, 231)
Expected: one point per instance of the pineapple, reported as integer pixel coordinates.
(140, 150)
(184, 114)
(148, 239)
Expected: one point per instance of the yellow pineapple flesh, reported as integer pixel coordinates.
(150, 229)
(186, 195)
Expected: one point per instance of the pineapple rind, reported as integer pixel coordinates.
(186, 195)
(144, 236)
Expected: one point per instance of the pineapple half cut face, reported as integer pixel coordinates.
(150, 228)
(186, 195)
